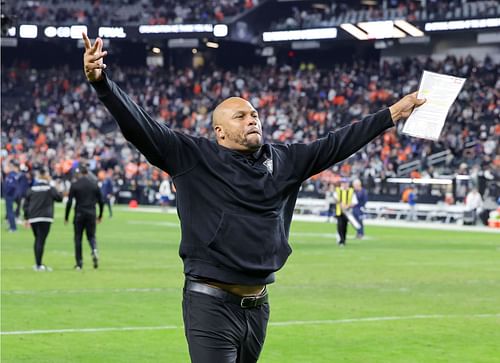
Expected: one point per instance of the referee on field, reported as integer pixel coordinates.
(87, 194)
(235, 199)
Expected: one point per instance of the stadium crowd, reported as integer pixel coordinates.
(128, 12)
(309, 15)
(52, 118)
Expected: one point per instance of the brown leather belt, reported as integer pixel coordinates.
(245, 302)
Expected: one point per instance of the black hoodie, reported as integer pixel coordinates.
(39, 203)
(235, 209)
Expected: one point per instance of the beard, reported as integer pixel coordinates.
(251, 142)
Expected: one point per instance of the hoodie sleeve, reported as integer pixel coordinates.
(310, 159)
(169, 150)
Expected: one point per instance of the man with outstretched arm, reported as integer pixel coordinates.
(235, 199)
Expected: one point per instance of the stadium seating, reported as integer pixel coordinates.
(40, 107)
(310, 15)
(129, 12)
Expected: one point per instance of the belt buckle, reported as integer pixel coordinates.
(248, 302)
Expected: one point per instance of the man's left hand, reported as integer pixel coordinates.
(404, 107)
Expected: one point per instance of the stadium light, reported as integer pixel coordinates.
(221, 30)
(212, 45)
(381, 29)
(28, 31)
(156, 50)
(462, 24)
(307, 34)
(354, 31)
(11, 32)
(409, 28)
(176, 28)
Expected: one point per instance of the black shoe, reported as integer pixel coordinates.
(95, 258)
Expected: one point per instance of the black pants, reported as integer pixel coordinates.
(81, 223)
(107, 202)
(223, 332)
(40, 231)
(342, 228)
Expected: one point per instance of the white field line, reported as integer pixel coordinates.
(276, 324)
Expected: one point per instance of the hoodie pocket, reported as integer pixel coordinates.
(251, 244)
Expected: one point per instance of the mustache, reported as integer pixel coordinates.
(254, 130)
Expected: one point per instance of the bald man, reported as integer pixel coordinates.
(235, 199)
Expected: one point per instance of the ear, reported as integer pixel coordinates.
(219, 132)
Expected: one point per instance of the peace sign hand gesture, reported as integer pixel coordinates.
(93, 59)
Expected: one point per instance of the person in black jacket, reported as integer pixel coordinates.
(87, 194)
(235, 199)
(39, 213)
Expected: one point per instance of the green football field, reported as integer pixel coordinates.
(400, 295)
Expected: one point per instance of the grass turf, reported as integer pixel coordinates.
(401, 295)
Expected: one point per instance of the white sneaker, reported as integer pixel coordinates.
(42, 268)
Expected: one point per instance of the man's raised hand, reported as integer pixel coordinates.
(404, 107)
(93, 59)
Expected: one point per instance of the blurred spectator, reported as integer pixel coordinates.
(473, 204)
(10, 192)
(358, 209)
(23, 184)
(107, 189)
(410, 196)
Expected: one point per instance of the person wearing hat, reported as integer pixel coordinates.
(345, 199)
(86, 192)
(39, 214)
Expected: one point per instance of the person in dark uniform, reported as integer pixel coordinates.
(23, 184)
(10, 193)
(107, 190)
(345, 199)
(235, 199)
(87, 194)
(39, 213)
(358, 209)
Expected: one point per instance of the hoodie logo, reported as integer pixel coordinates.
(269, 165)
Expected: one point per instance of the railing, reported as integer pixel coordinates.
(392, 210)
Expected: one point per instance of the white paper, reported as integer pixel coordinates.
(440, 91)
